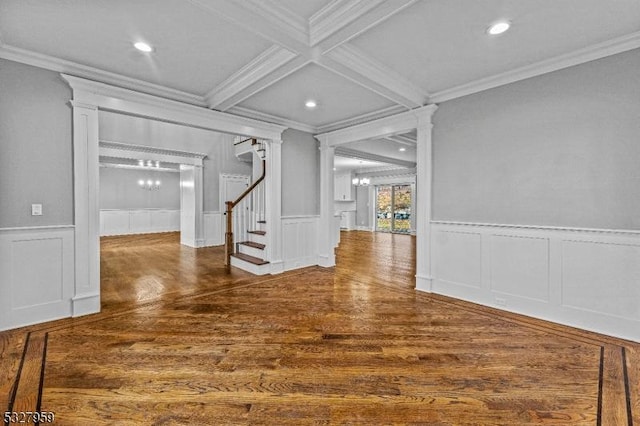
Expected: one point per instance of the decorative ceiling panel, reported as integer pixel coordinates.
(337, 97)
(194, 51)
(441, 44)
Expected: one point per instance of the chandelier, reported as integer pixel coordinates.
(361, 181)
(149, 185)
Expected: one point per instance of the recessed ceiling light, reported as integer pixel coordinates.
(143, 47)
(310, 103)
(402, 149)
(498, 28)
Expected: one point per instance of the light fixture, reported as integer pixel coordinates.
(402, 149)
(149, 185)
(143, 47)
(498, 27)
(310, 104)
(361, 181)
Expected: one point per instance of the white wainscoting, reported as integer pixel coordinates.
(213, 229)
(300, 241)
(36, 275)
(580, 277)
(139, 221)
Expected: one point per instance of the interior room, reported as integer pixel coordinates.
(320, 212)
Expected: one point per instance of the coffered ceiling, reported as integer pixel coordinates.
(358, 59)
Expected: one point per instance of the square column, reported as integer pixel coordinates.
(273, 204)
(327, 230)
(424, 194)
(86, 299)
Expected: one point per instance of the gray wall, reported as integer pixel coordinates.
(562, 149)
(218, 147)
(363, 209)
(300, 174)
(119, 189)
(36, 163)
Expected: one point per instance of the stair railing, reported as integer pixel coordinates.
(229, 246)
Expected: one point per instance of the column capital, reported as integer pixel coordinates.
(77, 104)
(424, 115)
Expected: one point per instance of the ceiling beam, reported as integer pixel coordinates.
(361, 155)
(267, 68)
(342, 20)
(359, 68)
(402, 140)
(263, 17)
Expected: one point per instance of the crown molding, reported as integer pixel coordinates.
(381, 113)
(402, 140)
(149, 149)
(361, 155)
(72, 68)
(355, 65)
(250, 113)
(263, 65)
(587, 54)
(106, 165)
(390, 172)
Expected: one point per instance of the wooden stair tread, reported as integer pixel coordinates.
(257, 232)
(250, 259)
(254, 245)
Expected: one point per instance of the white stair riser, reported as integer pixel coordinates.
(262, 239)
(250, 267)
(251, 251)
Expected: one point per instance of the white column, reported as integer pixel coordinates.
(273, 205)
(327, 232)
(198, 178)
(86, 299)
(424, 192)
(191, 211)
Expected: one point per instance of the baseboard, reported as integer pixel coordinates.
(326, 261)
(277, 267)
(85, 304)
(424, 283)
(364, 228)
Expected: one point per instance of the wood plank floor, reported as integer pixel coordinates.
(180, 341)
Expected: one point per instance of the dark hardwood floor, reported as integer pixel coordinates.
(180, 341)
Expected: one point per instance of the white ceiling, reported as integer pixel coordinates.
(359, 59)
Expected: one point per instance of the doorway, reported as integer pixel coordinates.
(393, 208)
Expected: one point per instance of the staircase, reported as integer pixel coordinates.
(250, 255)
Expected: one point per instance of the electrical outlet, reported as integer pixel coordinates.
(501, 302)
(36, 209)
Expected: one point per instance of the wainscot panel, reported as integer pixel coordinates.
(37, 275)
(585, 278)
(140, 221)
(213, 229)
(300, 241)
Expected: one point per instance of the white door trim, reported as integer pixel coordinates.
(419, 119)
(90, 96)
